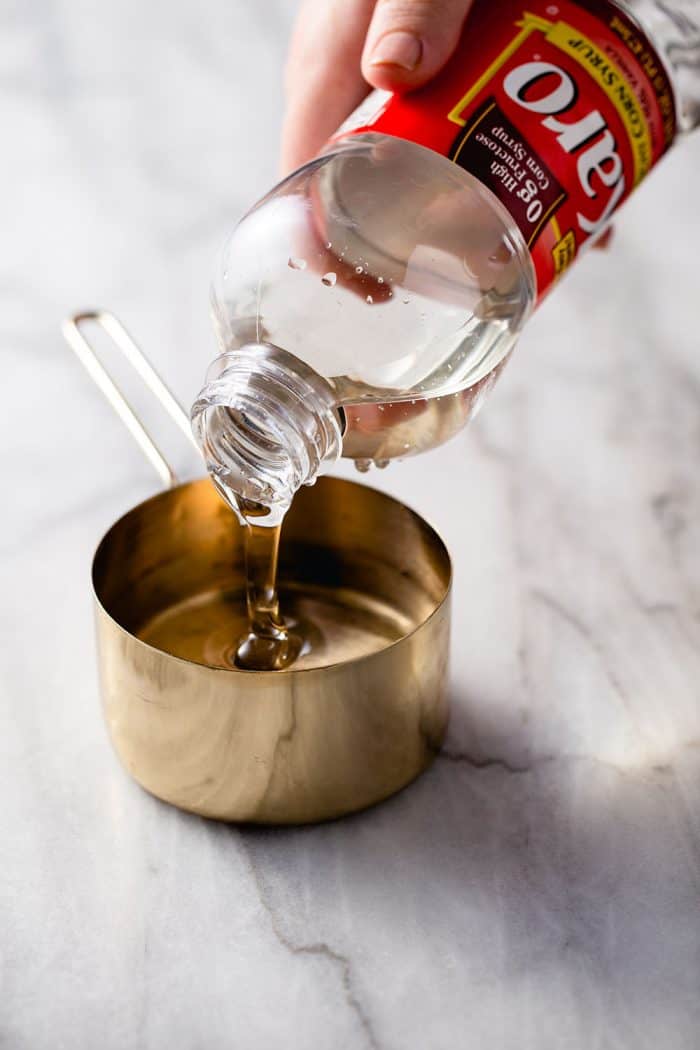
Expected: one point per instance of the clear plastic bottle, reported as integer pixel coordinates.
(367, 303)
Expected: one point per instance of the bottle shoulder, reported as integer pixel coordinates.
(383, 266)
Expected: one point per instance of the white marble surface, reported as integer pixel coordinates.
(539, 888)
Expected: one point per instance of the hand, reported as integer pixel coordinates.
(341, 49)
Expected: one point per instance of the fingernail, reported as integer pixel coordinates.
(397, 48)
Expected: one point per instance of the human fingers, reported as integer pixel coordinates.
(324, 82)
(409, 41)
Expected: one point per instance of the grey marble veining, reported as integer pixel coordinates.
(540, 886)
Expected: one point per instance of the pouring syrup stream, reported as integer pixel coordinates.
(269, 645)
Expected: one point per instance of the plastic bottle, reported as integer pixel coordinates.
(367, 303)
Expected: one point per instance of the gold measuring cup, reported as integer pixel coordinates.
(290, 746)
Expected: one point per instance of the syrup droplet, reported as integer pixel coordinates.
(329, 279)
(380, 280)
(370, 300)
(363, 465)
(381, 463)
(296, 264)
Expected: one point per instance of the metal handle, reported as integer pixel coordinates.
(125, 344)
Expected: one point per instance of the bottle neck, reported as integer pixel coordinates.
(267, 424)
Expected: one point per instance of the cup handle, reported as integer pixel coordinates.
(85, 352)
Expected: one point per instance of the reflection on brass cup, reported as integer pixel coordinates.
(349, 724)
(274, 746)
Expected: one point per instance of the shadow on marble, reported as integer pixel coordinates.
(564, 869)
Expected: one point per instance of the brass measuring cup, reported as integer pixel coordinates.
(291, 746)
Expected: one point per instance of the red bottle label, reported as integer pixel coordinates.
(559, 108)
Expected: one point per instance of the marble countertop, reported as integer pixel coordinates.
(539, 887)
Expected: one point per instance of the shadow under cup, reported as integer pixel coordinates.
(357, 717)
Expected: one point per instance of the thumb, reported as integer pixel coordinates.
(409, 41)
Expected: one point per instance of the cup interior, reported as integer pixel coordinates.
(358, 571)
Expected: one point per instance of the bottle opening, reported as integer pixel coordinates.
(267, 423)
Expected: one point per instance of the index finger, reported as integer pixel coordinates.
(323, 79)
